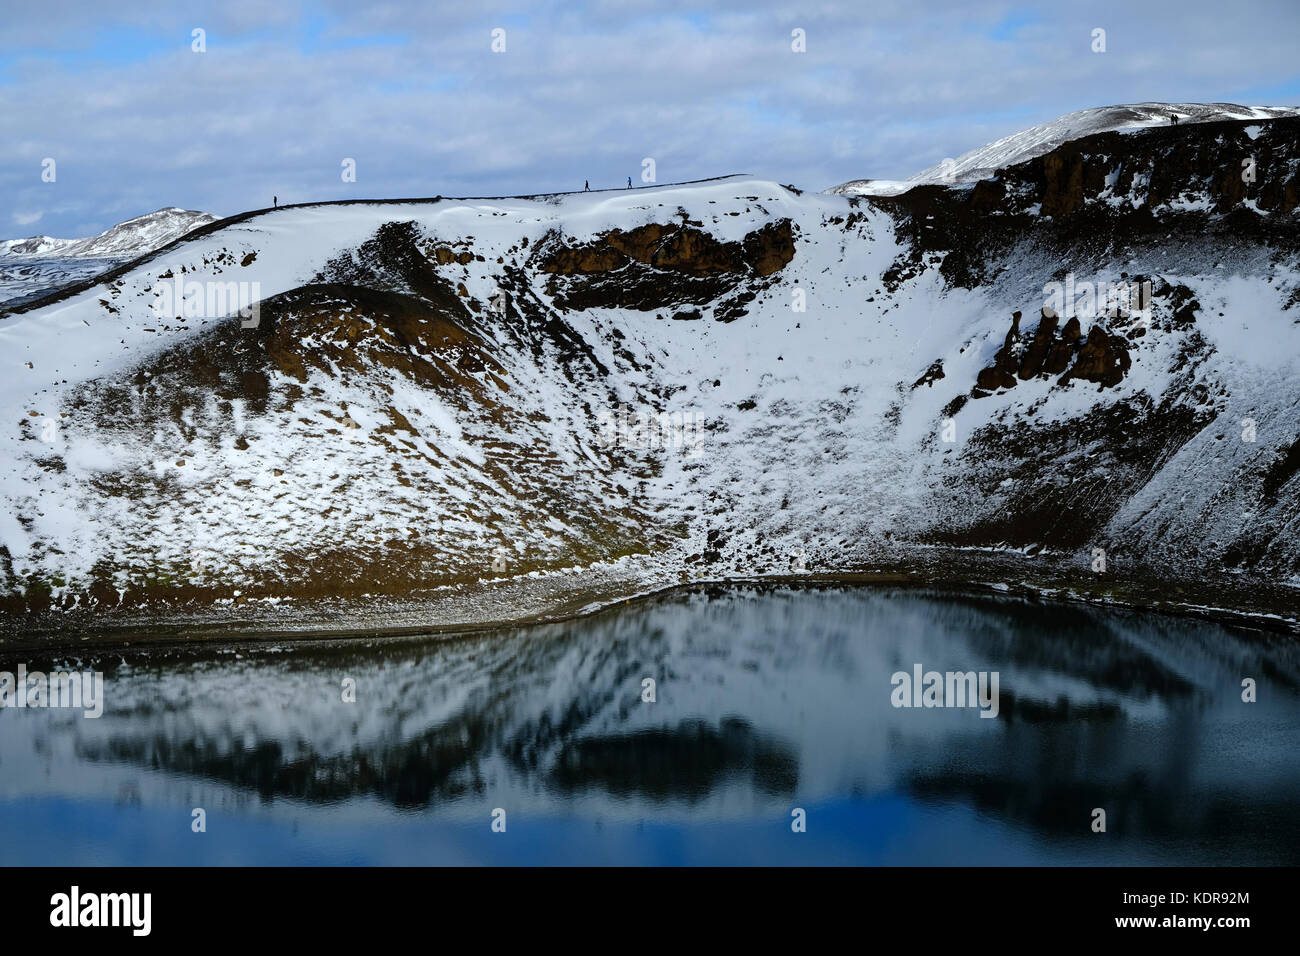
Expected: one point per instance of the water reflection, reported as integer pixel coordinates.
(766, 700)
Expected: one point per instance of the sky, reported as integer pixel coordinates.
(136, 117)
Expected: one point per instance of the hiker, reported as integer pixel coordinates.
(275, 202)
(586, 185)
(1173, 119)
(629, 182)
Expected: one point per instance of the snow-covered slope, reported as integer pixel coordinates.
(34, 246)
(731, 377)
(1037, 140)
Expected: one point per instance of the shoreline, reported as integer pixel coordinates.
(531, 601)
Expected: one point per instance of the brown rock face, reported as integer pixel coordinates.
(988, 195)
(1002, 373)
(1058, 359)
(1231, 190)
(640, 243)
(693, 252)
(1275, 196)
(677, 248)
(586, 259)
(444, 256)
(1118, 180)
(1102, 358)
(1063, 192)
(770, 249)
(658, 266)
(1036, 354)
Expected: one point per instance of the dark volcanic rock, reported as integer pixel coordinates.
(1063, 184)
(932, 375)
(659, 265)
(1103, 359)
(1039, 348)
(674, 248)
(1002, 373)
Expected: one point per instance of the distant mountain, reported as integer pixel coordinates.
(35, 246)
(29, 268)
(1037, 140)
(126, 240)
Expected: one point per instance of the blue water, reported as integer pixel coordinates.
(767, 700)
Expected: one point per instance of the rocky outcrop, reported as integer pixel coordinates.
(445, 255)
(770, 249)
(1101, 357)
(1222, 180)
(1002, 373)
(1062, 184)
(673, 248)
(1043, 347)
(660, 265)
(933, 374)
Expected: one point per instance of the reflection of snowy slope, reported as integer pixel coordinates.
(385, 427)
(1035, 141)
(761, 701)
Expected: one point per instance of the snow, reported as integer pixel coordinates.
(1027, 144)
(32, 267)
(124, 240)
(838, 450)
